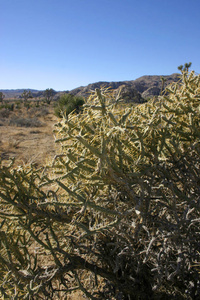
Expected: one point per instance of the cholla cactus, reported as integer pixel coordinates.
(119, 206)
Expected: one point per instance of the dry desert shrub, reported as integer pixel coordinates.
(25, 122)
(117, 212)
(38, 112)
(4, 113)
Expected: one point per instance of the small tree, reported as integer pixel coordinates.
(26, 95)
(2, 96)
(49, 93)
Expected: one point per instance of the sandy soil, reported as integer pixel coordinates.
(19, 137)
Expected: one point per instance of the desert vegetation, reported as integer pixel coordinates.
(49, 93)
(2, 96)
(26, 131)
(68, 103)
(115, 214)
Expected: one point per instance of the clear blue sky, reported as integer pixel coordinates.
(64, 44)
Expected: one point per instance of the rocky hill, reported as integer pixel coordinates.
(146, 86)
(134, 90)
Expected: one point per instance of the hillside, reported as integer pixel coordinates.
(145, 86)
(138, 90)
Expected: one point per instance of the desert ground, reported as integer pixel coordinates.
(26, 133)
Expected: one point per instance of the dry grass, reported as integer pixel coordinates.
(27, 135)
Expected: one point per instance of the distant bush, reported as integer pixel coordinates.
(37, 104)
(25, 122)
(8, 106)
(4, 113)
(67, 104)
(18, 104)
(43, 111)
(27, 105)
(117, 213)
